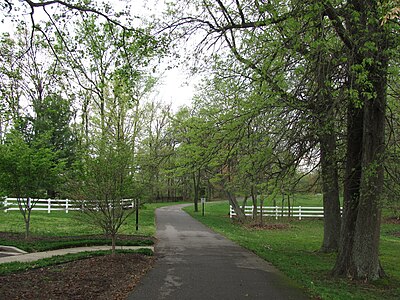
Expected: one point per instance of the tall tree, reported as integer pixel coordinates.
(244, 25)
(367, 42)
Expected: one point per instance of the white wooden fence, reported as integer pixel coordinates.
(50, 205)
(278, 211)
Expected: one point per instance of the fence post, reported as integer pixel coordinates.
(66, 205)
(230, 211)
(5, 205)
(299, 212)
(48, 205)
(276, 212)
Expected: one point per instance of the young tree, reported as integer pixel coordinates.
(27, 171)
(105, 180)
(116, 79)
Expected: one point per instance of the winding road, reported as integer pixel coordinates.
(196, 263)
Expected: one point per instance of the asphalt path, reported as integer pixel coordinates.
(196, 263)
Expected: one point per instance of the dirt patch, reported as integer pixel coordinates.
(268, 226)
(396, 234)
(104, 277)
(392, 220)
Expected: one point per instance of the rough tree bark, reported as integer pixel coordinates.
(368, 62)
(330, 189)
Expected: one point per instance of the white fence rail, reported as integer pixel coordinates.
(278, 211)
(50, 205)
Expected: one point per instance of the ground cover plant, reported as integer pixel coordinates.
(293, 248)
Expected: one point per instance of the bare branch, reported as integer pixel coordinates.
(77, 7)
(239, 7)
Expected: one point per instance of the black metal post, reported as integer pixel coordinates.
(137, 213)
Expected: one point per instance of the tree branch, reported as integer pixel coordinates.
(77, 7)
(338, 25)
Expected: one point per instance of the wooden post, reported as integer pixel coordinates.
(299, 212)
(48, 205)
(66, 205)
(5, 205)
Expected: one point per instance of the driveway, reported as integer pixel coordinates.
(198, 264)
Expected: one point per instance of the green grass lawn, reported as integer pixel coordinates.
(58, 223)
(61, 224)
(294, 251)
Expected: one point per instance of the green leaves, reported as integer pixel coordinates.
(27, 170)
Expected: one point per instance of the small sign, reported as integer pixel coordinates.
(203, 200)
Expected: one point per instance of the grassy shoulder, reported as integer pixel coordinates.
(57, 230)
(294, 250)
(13, 267)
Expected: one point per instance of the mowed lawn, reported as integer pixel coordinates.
(73, 223)
(294, 250)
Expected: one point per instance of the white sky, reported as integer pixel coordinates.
(175, 86)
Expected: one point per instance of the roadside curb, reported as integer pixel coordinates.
(12, 250)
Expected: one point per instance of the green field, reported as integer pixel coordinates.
(294, 250)
(58, 224)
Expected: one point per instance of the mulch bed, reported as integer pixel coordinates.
(392, 220)
(268, 226)
(397, 234)
(104, 277)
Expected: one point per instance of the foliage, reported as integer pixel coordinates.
(27, 172)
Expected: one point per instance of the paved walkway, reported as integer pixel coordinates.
(196, 263)
(39, 255)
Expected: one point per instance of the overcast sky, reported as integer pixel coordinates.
(175, 86)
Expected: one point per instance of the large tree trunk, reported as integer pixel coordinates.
(366, 240)
(351, 189)
(326, 112)
(359, 250)
(330, 189)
